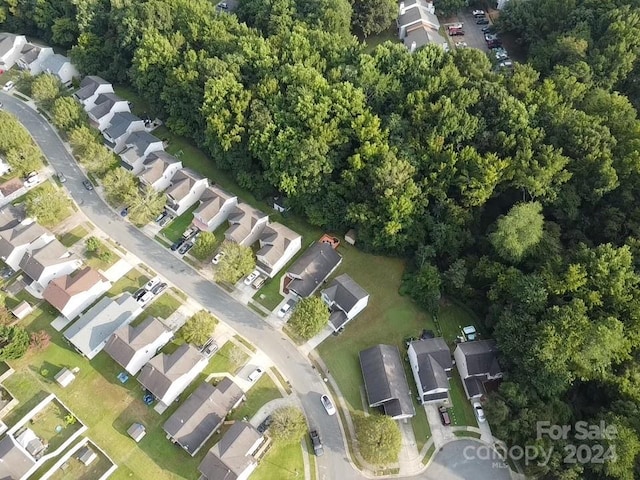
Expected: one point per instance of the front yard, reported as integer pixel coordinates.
(132, 281)
(262, 392)
(282, 462)
(164, 306)
(173, 232)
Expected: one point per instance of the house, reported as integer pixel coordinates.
(11, 189)
(122, 125)
(137, 147)
(60, 67)
(245, 224)
(159, 169)
(202, 414)
(90, 89)
(420, 35)
(345, 299)
(51, 261)
(90, 333)
(431, 364)
(232, 458)
(64, 377)
(385, 382)
(22, 310)
(167, 375)
(72, 293)
(418, 25)
(137, 432)
(15, 461)
(15, 242)
(32, 58)
(278, 245)
(106, 106)
(310, 271)
(187, 186)
(133, 347)
(478, 365)
(215, 206)
(4, 167)
(11, 47)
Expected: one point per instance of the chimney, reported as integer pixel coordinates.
(401, 8)
(413, 47)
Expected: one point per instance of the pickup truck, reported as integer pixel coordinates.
(317, 443)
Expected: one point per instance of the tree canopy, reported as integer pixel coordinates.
(199, 328)
(309, 317)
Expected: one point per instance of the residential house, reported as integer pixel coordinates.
(202, 414)
(420, 35)
(17, 241)
(16, 463)
(132, 347)
(60, 67)
(245, 224)
(215, 206)
(385, 382)
(345, 299)
(233, 457)
(431, 364)
(90, 333)
(51, 261)
(278, 245)
(32, 58)
(310, 271)
(106, 106)
(418, 25)
(120, 127)
(11, 47)
(73, 293)
(90, 89)
(159, 169)
(11, 189)
(4, 167)
(137, 147)
(167, 375)
(478, 366)
(187, 186)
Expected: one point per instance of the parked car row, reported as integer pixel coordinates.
(151, 289)
(186, 243)
(255, 279)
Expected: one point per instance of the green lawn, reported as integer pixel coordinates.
(461, 413)
(390, 34)
(132, 281)
(281, 462)
(245, 342)
(230, 358)
(173, 232)
(452, 319)
(76, 470)
(50, 419)
(262, 392)
(269, 295)
(164, 306)
(94, 261)
(73, 236)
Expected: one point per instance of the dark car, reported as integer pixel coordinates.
(124, 212)
(160, 217)
(317, 443)
(88, 185)
(264, 425)
(426, 334)
(176, 245)
(158, 288)
(482, 21)
(185, 247)
(444, 416)
(455, 33)
(139, 293)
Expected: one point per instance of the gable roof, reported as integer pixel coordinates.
(422, 35)
(16, 462)
(53, 253)
(22, 234)
(345, 292)
(418, 13)
(7, 42)
(211, 202)
(120, 123)
(434, 359)
(11, 186)
(156, 164)
(89, 86)
(313, 268)
(30, 53)
(104, 104)
(204, 411)
(126, 341)
(54, 63)
(243, 218)
(230, 457)
(62, 289)
(182, 183)
(158, 375)
(384, 380)
(481, 357)
(93, 328)
(275, 239)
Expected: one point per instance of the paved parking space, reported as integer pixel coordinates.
(473, 34)
(467, 460)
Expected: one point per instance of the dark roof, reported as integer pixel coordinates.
(127, 340)
(434, 359)
(202, 413)
(158, 375)
(88, 86)
(481, 357)
(104, 104)
(230, 457)
(120, 124)
(313, 268)
(345, 292)
(338, 319)
(15, 463)
(385, 381)
(475, 385)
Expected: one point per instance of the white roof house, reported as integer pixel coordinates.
(418, 25)
(32, 58)
(61, 67)
(11, 47)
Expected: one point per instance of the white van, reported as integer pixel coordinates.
(255, 375)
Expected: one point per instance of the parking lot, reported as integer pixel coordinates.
(473, 35)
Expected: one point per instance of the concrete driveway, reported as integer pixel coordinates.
(467, 460)
(440, 433)
(473, 34)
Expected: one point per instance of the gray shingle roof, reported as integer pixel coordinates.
(212, 200)
(415, 14)
(120, 124)
(156, 164)
(313, 268)
(158, 375)
(243, 219)
(140, 141)
(54, 63)
(89, 85)
(345, 292)
(19, 235)
(104, 104)
(481, 356)
(127, 340)
(15, 463)
(230, 457)
(434, 359)
(7, 41)
(53, 253)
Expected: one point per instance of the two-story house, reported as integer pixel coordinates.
(311, 270)
(120, 127)
(20, 239)
(245, 224)
(214, 209)
(138, 146)
(51, 261)
(478, 365)
(431, 364)
(32, 58)
(418, 25)
(71, 294)
(90, 89)
(11, 47)
(105, 107)
(159, 169)
(278, 245)
(187, 186)
(345, 299)
(60, 67)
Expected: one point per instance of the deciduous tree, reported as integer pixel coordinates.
(14, 342)
(309, 317)
(205, 246)
(48, 205)
(379, 439)
(237, 262)
(518, 231)
(199, 328)
(288, 425)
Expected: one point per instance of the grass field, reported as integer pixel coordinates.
(132, 281)
(76, 470)
(173, 232)
(73, 236)
(262, 392)
(94, 261)
(164, 306)
(462, 412)
(230, 358)
(390, 34)
(281, 462)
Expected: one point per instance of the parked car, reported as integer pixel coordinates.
(488, 29)
(218, 257)
(461, 44)
(479, 412)
(478, 13)
(185, 247)
(145, 298)
(264, 425)
(506, 64)
(318, 449)
(88, 185)
(189, 232)
(444, 416)
(482, 21)
(165, 220)
(161, 216)
(251, 277)
(8, 86)
(255, 375)
(139, 293)
(285, 308)
(61, 177)
(151, 284)
(223, 5)
(176, 245)
(124, 212)
(158, 289)
(456, 33)
(210, 347)
(328, 405)
(259, 282)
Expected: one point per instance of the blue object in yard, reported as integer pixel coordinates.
(125, 212)
(123, 377)
(58, 428)
(148, 399)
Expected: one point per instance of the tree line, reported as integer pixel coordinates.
(517, 193)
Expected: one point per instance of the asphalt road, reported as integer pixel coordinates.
(305, 381)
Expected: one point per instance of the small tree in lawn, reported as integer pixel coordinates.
(98, 249)
(378, 437)
(48, 205)
(288, 425)
(309, 317)
(198, 329)
(204, 246)
(40, 340)
(14, 342)
(237, 262)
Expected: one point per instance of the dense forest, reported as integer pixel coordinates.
(517, 193)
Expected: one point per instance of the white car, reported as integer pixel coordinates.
(217, 258)
(461, 44)
(328, 405)
(479, 412)
(478, 13)
(252, 276)
(152, 283)
(8, 86)
(285, 309)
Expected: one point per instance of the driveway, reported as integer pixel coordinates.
(467, 460)
(440, 433)
(473, 35)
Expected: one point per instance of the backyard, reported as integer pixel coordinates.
(54, 425)
(73, 469)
